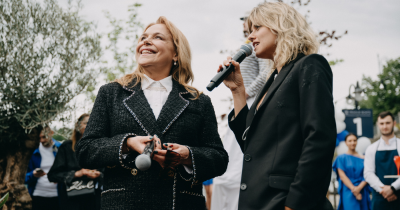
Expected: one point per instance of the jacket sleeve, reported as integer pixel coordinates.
(238, 124)
(29, 178)
(60, 172)
(318, 127)
(210, 158)
(97, 149)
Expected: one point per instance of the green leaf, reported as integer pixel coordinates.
(3, 200)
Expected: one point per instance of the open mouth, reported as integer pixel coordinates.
(147, 51)
(255, 44)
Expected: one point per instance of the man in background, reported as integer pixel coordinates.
(379, 161)
(44, 193)
(226, 188)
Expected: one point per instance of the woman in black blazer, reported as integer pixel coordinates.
(288, 135)
(131, 112)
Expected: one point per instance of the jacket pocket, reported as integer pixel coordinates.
(282, 182)
(113, 199)
(190, 200)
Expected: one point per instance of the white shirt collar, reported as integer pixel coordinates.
(391, 141)
(166, 82)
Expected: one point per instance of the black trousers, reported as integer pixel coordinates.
(45, 203)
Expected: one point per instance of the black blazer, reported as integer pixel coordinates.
(121, 112)
(288, 144)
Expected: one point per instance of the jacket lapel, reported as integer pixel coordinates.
(140, 109)
(272, 85)
(173, 107)
(250, 116)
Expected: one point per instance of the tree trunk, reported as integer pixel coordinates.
(13, 167)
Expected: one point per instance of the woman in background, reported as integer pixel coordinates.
(353, 189)
(66, 168)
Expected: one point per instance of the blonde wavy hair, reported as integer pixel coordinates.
(182, 72)
(294, 34)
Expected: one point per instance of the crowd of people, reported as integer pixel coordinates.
(279, 136)
(54, 167)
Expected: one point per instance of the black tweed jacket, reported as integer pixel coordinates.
(121, 112)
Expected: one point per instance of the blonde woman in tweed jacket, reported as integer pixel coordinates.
(154, 103)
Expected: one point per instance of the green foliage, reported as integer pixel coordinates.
(123, 58)
(335, 62)
(3, 200)
(123, 55)
(62, 134)
(384, 94)
(46, 59)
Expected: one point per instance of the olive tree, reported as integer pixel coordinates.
(47, 57)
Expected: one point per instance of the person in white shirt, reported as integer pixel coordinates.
(379, 161)
(43, 192)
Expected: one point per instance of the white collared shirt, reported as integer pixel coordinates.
(369, 163)
(156, 92)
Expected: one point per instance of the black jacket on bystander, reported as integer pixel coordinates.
(63, 172)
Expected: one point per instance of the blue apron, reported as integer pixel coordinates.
(384, 165)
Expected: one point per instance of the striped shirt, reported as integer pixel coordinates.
(254, 72)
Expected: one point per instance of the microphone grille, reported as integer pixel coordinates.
(143, 162)
(247, 48)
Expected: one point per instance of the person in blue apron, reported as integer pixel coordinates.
(379, 162)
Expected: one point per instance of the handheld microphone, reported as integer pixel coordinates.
(245, 50)
(143, 161)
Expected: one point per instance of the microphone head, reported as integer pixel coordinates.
(247, 49)
(143, 162)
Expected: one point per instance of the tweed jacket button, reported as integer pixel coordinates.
(171, 173)
(247, 157)
(243, 186)
(134, 172)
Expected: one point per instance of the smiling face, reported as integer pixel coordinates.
(156, 48)
(264, 41)
(351, 142)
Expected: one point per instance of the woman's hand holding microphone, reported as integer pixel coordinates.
(172, 156)
(235, 83)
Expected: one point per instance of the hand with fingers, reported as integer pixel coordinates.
(137, 143)
(172, 155)
(91, 174)
(235, 80)
(386, 191)
(356, 192)
(235, 83)
(391, 198)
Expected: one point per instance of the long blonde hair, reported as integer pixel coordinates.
(182, 72)
(294, 34)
